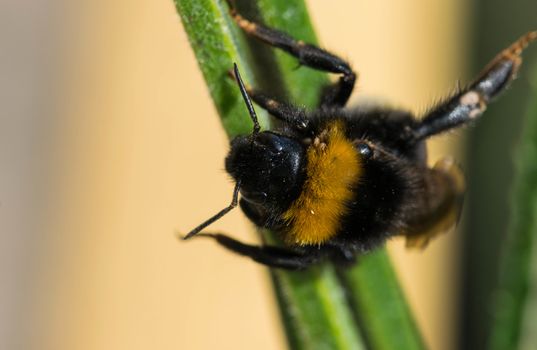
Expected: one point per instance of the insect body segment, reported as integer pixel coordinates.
(336, 182)
(333, 170)
(445, 185)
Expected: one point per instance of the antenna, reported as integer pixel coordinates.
(221, 213)
(247, 100)
(235, 199)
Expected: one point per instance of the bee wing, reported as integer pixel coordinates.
(440, 208)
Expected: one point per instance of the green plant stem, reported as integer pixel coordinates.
(372, 286)
(517, 286)
(314, 307)
(315, 311)
(379, 303)
(216, 45)
(314, 304)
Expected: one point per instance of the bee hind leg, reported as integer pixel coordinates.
(469, 103)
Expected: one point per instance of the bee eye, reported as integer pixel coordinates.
(271, 141)
(365, 151)
(254, 196)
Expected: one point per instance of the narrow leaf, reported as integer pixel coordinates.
(516, 296)
(314, 304)
(379, 304)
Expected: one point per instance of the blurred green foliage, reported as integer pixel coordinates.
(489, 166)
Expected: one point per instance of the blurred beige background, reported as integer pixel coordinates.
(110, 144)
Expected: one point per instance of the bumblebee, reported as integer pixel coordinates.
(336, 182)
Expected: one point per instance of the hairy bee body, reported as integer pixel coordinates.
(353, 194)
(336, 181)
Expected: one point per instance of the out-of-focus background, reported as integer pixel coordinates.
(109, 143)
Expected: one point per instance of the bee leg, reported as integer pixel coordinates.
(309, 55)
(287, 113)
(344, 256)
(469, 103)
(266, 255)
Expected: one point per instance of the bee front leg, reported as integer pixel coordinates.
(267, 255)
(287, 113)
(334, 95)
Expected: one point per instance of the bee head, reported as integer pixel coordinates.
(268, 166)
